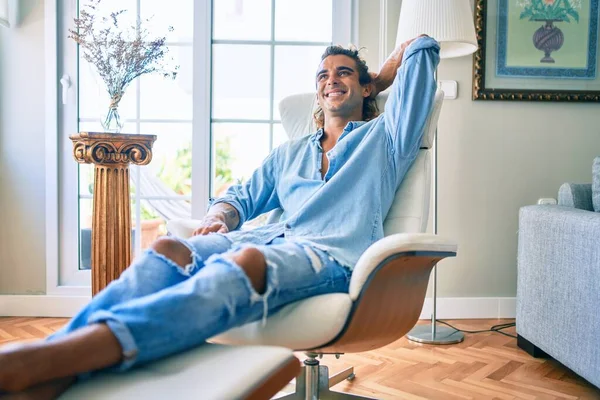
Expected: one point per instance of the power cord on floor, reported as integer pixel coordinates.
(495, 328)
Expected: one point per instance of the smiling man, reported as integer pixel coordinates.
(180, 293)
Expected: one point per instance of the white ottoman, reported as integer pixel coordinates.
(209, 372)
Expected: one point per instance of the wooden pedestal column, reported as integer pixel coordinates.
(111, 155)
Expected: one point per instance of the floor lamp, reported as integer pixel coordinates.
(450, 22)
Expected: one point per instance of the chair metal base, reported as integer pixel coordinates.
(314, 383)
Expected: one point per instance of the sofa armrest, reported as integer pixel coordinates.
(558, 270)
(576, 195)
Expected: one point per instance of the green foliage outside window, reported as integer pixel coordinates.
(178, 174)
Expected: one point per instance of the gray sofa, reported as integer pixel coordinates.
(558, 285)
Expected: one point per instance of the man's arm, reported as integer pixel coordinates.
(245, 201)
(411, 97)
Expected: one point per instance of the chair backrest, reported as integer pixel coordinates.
(410, 209)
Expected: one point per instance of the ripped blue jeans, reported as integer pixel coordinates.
(157, 308)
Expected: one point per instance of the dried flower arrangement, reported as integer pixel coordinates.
(119, 55)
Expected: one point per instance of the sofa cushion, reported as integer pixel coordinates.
(576, 195)
(596, 184)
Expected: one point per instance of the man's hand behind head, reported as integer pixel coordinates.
(382, 80)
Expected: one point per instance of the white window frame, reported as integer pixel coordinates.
(62, 229)
(51, 136)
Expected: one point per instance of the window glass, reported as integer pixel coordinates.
(161, 15)
(164, 98)
(305, 20)
(242, 19)
(238, 149)
(241, 79)
(85, 233)
(170, 172)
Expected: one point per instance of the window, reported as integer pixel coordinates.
(215, 123)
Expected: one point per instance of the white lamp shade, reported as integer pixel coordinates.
(450, 22)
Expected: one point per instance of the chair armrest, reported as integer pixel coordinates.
(576, 195)
(183, 227)
(388, 287)
(392, 246)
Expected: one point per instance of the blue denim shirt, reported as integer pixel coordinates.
(343, 212)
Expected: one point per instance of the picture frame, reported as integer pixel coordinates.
(537, 50)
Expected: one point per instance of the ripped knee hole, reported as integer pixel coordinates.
(173, 250)
(253, 263)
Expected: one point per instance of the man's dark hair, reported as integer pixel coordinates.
(370, 109)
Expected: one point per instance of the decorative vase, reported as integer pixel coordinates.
(110, 119)
(548, 38)
(107, 104)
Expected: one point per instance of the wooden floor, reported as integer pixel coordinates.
(484, 366)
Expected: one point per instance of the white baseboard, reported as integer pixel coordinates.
(447, 308)
(41, 306)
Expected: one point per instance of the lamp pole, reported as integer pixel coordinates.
(435, 334)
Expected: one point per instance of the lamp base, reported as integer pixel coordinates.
(443, 335)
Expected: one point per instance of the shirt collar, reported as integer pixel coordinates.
(315, 137)
(350, 126)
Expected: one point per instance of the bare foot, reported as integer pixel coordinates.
(45, 391)
(28, 364)
(13, 371)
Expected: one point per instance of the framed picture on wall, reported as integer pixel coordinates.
(536, 50)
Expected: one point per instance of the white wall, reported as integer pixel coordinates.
(494, 157)
(22, 180)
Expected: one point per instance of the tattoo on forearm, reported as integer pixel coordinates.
(232, 218)
(227, 213)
